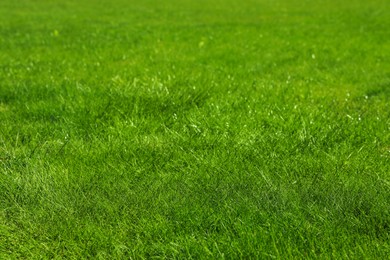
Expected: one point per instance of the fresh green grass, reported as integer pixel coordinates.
(194, 129)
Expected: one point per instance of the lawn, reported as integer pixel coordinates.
(202, 129)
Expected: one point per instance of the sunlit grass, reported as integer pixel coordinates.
(194, 129)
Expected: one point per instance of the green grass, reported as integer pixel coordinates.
(194, 129)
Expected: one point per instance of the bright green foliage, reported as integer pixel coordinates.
(194, 129)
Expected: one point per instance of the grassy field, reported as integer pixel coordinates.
(203, 129)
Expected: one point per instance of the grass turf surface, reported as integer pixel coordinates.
(194, 129)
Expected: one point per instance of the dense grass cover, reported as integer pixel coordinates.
(194, 129)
